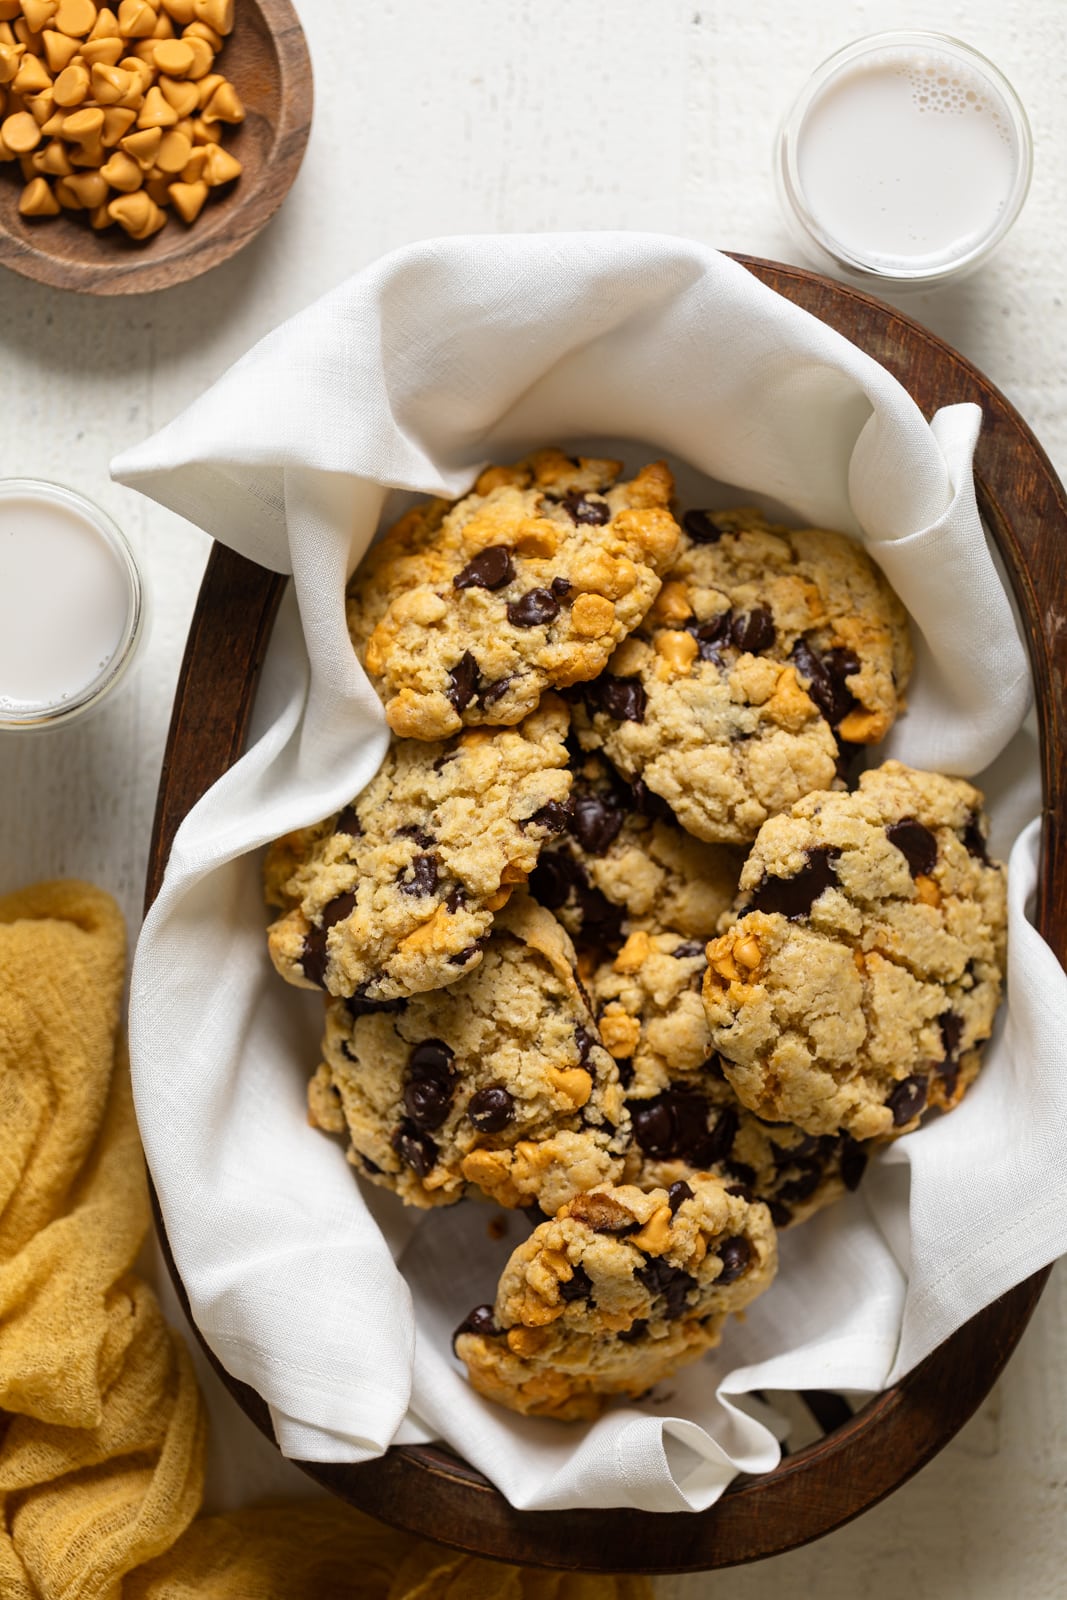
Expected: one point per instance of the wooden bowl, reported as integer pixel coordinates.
(855, 1460)
(266, 58)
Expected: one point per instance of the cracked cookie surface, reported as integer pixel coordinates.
(685, 1116)
(498, 1082)
(769, 652)
(394, 894)
(467, 613)
(865, 968)
(614, 1294)
(623, 862)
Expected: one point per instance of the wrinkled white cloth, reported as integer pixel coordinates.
(409, 377)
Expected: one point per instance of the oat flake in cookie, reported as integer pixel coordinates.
(498, 1082)
(865, 969)
(768, 654)
(617, 1292)
(395, 894)
(467, 614)
(686, 1117)
(623, 862)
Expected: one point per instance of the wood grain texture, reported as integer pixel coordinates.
(266, 58)
(427, 1489)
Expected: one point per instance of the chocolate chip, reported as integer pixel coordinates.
(660, 1278)
(428, 1102)
(740, 1191)
(753, 631)
(711, 635)
(423, 878)
(494, 691)
(490, 569)
(674, 1125)
(624, 699)
(916, 844)
(313, 957)
(951, 1025)
(742, 1172)
(809, 1176)
(975, 841)
(579, 1286)
(585, 1042)
(416, 1150)
(781, 1215)
(461, 957)
(560, 587)
(480, 1321)
(601, 920)
(411, 830)
(677, 1193)
(431, 1058)
(358, 1005)
(794, 897)
(581, 509)
(464, 681)
(701, 527)
(735, 1256)
(491, 1109)
(455, 900)
(824, 678)
(907, 1100)
(552, 880)
(713, 1067)
(650, 804)
(554, 817)
(688, 949)
(370, 1166)
(535, 609)
(846, 765)
(853, 1163)
(631, 1334)
(624, 1066)
(595, 822)
(348, 822)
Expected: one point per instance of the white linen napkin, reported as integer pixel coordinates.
(409, 377)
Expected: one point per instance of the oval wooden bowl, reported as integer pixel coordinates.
(266, 58)
(858, 1458)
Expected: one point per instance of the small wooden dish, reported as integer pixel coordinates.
(856, 1459)
(266, 58)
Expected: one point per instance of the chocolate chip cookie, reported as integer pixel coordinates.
(865, 968)
(618, 1291)
(685, 1116)
(498, 1082)
(395, 894)
(769, 653)
(623, 862)
(529, 582)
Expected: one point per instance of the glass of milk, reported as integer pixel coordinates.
(905, 160)
(72, 607)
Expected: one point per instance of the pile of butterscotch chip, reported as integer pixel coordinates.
(116, 112)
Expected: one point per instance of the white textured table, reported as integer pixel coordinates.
(473, 116)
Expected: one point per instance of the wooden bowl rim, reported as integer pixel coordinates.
(427, 1489)
(129, 272)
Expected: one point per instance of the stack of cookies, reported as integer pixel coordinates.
(609, 938)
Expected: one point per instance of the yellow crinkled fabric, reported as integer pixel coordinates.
(102, 1428)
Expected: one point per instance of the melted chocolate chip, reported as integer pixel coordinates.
(535, 609)
(585, 1042)
(916, 844)
(560, 587)
(554, 817)
(753, 631)
(713, 1067)
(735, 1256)
(907, 1100)
(794, 897)
(951, 1025)
(742, 1172)
(358, 1005)
(711, 635)
(411, 830)
(781, 1215)
(461, 957)
(687, 949)
(313, 957)
(624, 1066)
(481, 1321)
(650, 804)
(809, 1175)
(491, 1109)
(853, 1163)
(595, 821)
(348, 822)
(701, 527)
(581, 509)
(631, 1334)
(463, 682)
(416, 1150)
(601, 920)
(824, 678)
(974, 840)
(579, 1286)
(455, 900)
(846, 767)
(494, 691)
(490, 569)
(660, 1278)
(677, 1193)
(552, 880)
(369, 1166)
(624, 699)
(423, 878)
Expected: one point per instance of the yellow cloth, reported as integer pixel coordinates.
(102, 1428)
